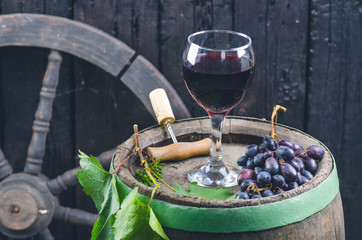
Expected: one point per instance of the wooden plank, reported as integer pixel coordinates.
(142, 77)
(59, 8)
(94, 105)
(105, 108)
(60, 154)
(105, 112)
(18, 90)
(177, 23)
(138, 23)
(59, 146)
(1, 101)
(133, 22)
(20, 98)
(213, 14)
(10, 6)
(223, 14)
(203, 15)
(279, 33)
(73, 37)
(334, 100)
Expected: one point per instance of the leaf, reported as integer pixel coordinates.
(136, 221)
(208, 193)
(101, 186)
(155, 225)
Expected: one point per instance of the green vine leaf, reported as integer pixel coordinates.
(207, 193)
(136, 221)
(101, 186)
(130, 220)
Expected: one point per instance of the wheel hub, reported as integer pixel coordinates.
(26, 205)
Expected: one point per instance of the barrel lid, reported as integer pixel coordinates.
(203, 215)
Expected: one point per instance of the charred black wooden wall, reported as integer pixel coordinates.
(308, 58)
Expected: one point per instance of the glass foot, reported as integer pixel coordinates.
(206, 176)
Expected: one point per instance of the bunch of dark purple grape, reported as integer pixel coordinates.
(275, 167)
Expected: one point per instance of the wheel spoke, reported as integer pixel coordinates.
(43, 114)
(69, 178)
(45, 235)
(64, 181)
(75, 216)
(5, 167)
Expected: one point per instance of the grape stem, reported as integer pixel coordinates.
(162, 181)
(254, 188)
(144, 162)
(275, 115)
(119, 165)
(149, 172)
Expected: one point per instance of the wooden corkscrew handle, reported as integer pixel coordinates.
(181, 150)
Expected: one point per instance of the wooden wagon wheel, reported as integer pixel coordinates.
(28, 200)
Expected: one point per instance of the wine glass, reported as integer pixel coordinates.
(218, 69)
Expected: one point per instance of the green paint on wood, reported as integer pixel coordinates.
(244, 219)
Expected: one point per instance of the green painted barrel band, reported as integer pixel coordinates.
(244, 219)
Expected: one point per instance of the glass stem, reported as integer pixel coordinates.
(216, 133)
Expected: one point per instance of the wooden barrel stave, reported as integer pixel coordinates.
(326, 224)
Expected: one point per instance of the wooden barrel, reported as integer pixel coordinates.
(311, 211)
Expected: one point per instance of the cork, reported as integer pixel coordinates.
(161, 106)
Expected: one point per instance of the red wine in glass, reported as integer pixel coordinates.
(219, 92)
(218, 69)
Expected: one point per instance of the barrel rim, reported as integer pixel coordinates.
(127, 178)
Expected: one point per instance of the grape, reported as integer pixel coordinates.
(295, 164)
(252, 150)
(257, 170)
(289, 172)
(302, 180)
(269, 143)
(297, 148)
(267, 193)
(292, 185)
(299, 177)
(268, 154)
(261, 149)
(251, 193)
(271, 166)
(285, 153)
(278, 180)
(285, 187)
(307, 174)
(276, 144)
(242, 195)
(258, 160)
(244, 175)
(263, 178)
(242, 160)
(300, 163)
(244, 185)
(315, 152)
(286, 143)
(283, 165)
(278, 191)
(310, 165)
(303, 155)
(250, 163)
